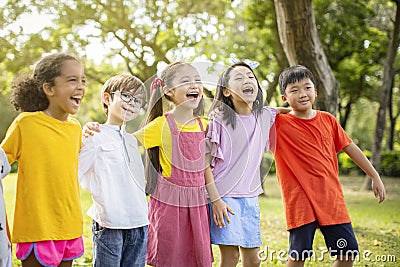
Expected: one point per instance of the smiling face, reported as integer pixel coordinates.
(123, 96)
(186, 88)
(300, 95)
(66, 94)
(242, 87)
(124, 106)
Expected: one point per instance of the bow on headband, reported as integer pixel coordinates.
(252, 64)
(156, 82)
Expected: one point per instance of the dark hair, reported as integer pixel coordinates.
(27, 94)
(225, 103)
(122, 83)
(294, 74)
(156, 109)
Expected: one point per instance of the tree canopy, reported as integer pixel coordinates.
(140, 37)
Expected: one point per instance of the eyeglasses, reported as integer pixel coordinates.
(138, 102)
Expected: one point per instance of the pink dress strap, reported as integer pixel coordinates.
(186, 186)
(179, 231)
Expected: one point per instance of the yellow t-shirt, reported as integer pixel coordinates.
(48, 198)
(158, 134)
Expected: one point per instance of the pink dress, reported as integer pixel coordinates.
(179, 231)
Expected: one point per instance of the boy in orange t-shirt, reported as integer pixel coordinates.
(306, 145)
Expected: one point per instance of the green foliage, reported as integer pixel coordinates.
(267, 165)
(140, 37)
(347, 165)
(7, 114)
(14, 167)
(355, 39)
(360, 125)
(390, 163)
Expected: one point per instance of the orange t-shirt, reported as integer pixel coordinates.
(307, 168)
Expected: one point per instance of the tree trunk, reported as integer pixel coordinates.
(347, 109)
(389, 145)
(344, 117)
(392, 131)
(393, 119)
(299, 37)
(280, 58)
(388, 75)
(271, 90)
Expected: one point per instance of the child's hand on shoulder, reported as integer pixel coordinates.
(214, 113)
(283, 110)
(90, 128)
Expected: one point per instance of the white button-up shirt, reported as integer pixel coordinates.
(111, 169)
(5, 246)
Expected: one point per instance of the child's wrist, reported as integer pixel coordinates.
(212, 191)
(215, 200)
(375, 178)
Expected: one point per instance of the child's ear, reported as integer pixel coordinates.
(226, 92)
(106, 98)
(48, 89)
(284, 99)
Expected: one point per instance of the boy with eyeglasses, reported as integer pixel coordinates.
(111, 169)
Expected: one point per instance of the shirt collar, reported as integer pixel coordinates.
(112, 127)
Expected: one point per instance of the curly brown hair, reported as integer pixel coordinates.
(27, 94)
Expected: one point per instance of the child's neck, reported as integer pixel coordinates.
(111, 121)
(243, 109)
(307, 114)
(183, 115)
(56, 115)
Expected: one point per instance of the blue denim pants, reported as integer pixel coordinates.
(119, 247)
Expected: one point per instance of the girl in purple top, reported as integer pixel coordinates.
(236, 141)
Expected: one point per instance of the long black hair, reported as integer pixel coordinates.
(225, 103)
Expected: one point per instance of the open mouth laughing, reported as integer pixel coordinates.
(248, 90)
(192, 95)
(76, 100)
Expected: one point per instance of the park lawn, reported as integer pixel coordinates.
(377, 227)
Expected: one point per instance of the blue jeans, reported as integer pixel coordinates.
(119, 247)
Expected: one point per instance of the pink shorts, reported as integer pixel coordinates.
(51, 252)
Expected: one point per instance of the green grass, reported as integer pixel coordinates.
(377, 227)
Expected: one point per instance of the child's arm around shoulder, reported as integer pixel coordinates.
(89, 129)
(283, 110)
(362, 161)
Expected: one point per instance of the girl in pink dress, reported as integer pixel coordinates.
(179, 220)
